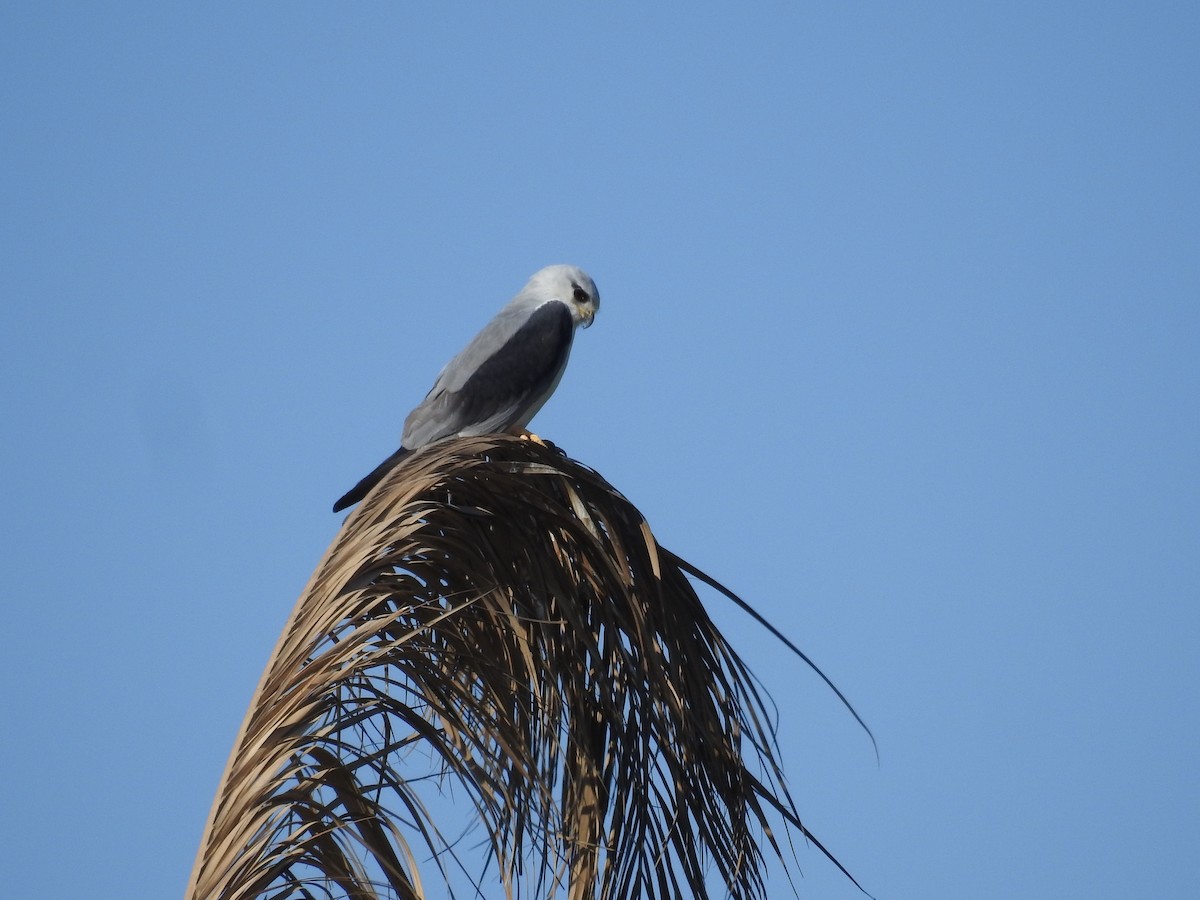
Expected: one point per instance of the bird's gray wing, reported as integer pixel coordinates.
(502, 377)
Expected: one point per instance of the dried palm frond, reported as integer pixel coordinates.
(496, 623)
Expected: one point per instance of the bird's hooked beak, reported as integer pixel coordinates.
(589, 316)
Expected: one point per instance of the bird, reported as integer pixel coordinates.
(500, 380)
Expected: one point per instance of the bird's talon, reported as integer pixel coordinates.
(530, 436)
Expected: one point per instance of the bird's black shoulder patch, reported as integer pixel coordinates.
(526, 365)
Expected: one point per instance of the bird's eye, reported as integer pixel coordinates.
(581, 296)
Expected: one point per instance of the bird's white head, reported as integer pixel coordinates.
(571, 285)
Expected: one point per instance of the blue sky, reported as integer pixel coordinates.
(900, 339)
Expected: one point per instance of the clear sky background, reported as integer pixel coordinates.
(900, 338)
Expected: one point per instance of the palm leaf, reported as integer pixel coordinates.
(497, 624)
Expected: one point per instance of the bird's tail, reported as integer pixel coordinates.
(363, 488)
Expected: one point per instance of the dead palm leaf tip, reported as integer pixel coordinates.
(496, 622)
